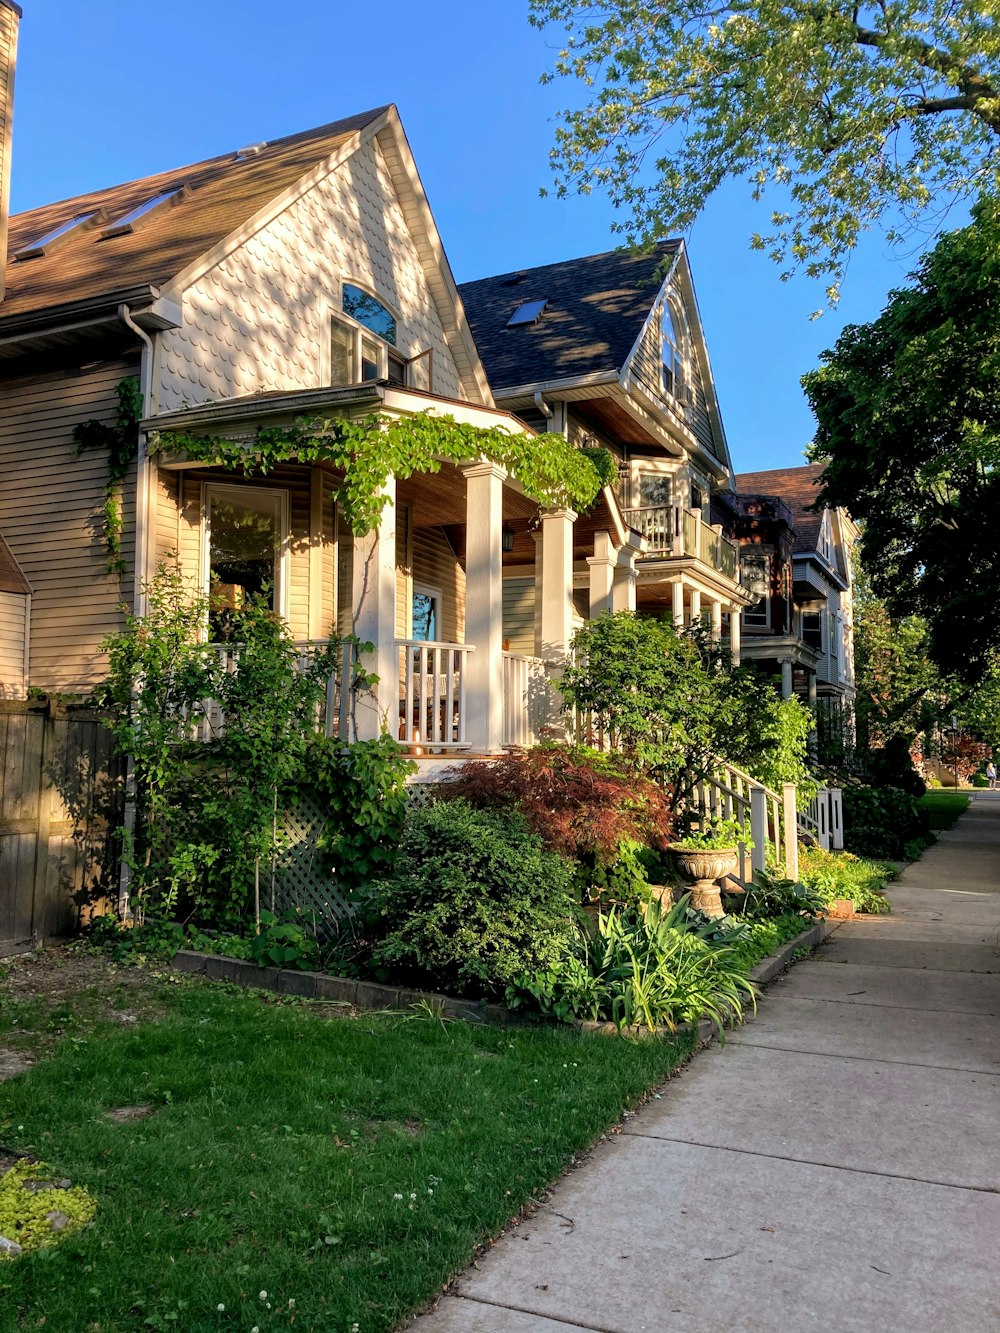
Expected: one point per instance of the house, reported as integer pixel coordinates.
(608, 350)
(302, 277)
(798, 560)
(15, 619)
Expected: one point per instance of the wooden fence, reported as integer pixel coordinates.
(61, 792)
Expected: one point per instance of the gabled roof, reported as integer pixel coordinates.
(797, 486)
(595, 310)
(11, 575)
(226, 191)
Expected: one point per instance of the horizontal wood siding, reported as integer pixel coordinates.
(51, 513)
(647, 367)
(435, 564)
(519, 615)
(13, 627)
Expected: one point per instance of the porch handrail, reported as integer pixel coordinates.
(529, 704)
(432, 691)
(726, 792)
(672, 530)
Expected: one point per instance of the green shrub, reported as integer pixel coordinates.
(474, 899)
(833, 875)
(644, 968)
(760, 939)
(771, 896)
(880, 821)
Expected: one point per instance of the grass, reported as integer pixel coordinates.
(943, 806)
(346, 1166)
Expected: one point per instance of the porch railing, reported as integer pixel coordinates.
(432, 702)
(823, 819)
(671, 530)
(529, 703)
(728, 793)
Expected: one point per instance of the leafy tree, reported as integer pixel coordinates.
(908, 427)
(850, 110)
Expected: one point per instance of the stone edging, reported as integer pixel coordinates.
(374, 995)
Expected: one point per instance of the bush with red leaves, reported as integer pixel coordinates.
(580, 802)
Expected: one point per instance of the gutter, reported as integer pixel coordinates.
(241, 409)
(143, 300)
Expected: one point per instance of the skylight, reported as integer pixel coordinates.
(125, 224)
(52, 240)
(527, 313)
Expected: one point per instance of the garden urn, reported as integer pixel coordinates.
(703, 869)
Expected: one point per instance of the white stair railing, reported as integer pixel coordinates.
(726, 792)
(822, 821)
(432, 694)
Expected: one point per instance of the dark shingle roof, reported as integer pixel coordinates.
(11, 577)
(797, 486)
(225, 192)
(596, 308)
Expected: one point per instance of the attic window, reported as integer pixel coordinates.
(58, 236)
(369, 311)
(144, 211)
(527, 313)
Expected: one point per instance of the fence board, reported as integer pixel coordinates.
(61, 793)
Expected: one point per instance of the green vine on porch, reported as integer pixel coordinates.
(121, 442)
(371, 450)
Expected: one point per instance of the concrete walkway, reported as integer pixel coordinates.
(836, 1166)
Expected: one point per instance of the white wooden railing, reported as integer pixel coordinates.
(823, 819)
(432, 694)
(729, 793)
(529, 703)
(206, 719)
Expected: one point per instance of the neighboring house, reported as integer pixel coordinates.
(303, 276)
(799, 559)
(15, 619)
(609, 350)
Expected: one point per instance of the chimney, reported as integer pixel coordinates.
(10, 17)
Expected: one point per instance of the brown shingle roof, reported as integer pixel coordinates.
(11, 577)
(225, 193)
(797, 486)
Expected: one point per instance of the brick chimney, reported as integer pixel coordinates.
(10, 17)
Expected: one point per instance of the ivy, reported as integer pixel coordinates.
(370, 450)
(121, 442)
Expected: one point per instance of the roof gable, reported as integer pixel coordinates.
(596, 308)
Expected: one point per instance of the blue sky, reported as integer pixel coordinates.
(108, 90)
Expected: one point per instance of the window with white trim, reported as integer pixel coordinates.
(244, 543)
(755, 574)
(674, 345)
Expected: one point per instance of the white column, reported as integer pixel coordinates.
(716, 610)
(786, 680)
(317, 555)
(623, 596)
(373, 620)
(677, 593)
(484, 606)
(695, 606)
(557, 583)
(811, 678)
(602, 575)
(734, 635)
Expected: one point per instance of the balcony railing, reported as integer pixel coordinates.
(673, 531)
(432, 694)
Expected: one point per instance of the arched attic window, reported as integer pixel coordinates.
(675, 345)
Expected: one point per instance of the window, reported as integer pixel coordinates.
(57, 236)
(369, 312)
(426, 613)
(755, 575)
(673, 350)
(654, 490)
(144, 211)
(244, 542)
(527, 312)
(812, 629)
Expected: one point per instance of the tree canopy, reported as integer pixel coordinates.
(850, 110)
(908, 427)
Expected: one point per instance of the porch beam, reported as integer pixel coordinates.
(373, 620)
(484, 606)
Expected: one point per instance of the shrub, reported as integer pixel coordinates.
(832, 875)
(644, 968)
(474, 899)
(760, 939)
(771, 896)
(879, 822)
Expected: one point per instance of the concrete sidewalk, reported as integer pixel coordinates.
(836, 1166)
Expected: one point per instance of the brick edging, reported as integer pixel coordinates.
(374, 995)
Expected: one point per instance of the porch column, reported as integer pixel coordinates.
(734, 635)
(557, 583)
(786, 679)
(677, 593)
(811, 682)
(716, 610)
(373, 620)
(695, 606)
(484, 606)
(602, 575)
(623, 588)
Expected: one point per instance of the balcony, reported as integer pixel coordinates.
(672, 532)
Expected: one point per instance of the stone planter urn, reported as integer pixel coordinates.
(702, 870)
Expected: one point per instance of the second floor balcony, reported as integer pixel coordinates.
(673, 532)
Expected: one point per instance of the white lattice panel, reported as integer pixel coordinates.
(301, 884)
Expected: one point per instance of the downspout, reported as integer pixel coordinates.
(142, 469)
(541, 404)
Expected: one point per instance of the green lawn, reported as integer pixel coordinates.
(345, 1166)
(943, 806)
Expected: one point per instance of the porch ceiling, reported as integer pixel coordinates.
(437, 499)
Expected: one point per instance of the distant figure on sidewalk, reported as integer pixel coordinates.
(991, 773)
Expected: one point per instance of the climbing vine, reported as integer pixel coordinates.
(369, 451)
(121, 442)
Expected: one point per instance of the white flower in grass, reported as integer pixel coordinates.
(263, 1295)
(220, 1307)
